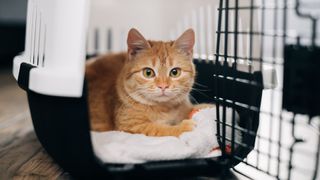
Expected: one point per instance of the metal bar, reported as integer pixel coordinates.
(316, 169)
(217, 63)
(281, 118)
(261, 68)
(251, 36)
(234, 66)
(274, 53)
(267, 60)
(224, 111)
(250, 53)
(291, 147)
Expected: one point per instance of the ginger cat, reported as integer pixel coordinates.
(145, 90)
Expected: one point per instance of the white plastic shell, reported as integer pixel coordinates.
(55, 44)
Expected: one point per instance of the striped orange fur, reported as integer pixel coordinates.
(125, 95)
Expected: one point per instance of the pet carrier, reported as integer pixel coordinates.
(247, 56)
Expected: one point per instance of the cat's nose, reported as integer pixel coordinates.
(163, 86)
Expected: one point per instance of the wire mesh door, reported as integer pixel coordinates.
(282, 36)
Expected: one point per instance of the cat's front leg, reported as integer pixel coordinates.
(169, 130)
(187, 125)
(203, 106)
(157, 129)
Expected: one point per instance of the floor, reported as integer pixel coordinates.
(21, 155)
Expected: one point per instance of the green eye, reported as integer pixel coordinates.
(175, 72)
(148, 73)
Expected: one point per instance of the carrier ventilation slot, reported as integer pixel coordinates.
(37, 39)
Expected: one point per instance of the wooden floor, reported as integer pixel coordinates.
(21, 155)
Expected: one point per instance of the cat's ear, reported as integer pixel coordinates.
(136, 42)
(185, 42)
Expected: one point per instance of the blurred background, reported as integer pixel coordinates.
(12, 29)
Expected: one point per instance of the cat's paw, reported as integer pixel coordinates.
(99, 127)
(187, 125)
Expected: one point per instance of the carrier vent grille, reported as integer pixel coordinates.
(37, 37)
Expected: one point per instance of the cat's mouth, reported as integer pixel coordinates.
(163, 95)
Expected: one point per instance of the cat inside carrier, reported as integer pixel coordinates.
(256, 60)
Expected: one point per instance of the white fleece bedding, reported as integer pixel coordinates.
(122, 147)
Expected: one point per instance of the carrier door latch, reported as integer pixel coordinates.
(301, 83)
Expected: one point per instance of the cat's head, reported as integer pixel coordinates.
(159, 72)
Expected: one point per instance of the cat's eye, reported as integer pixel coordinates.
(148, 73)
(175, 72)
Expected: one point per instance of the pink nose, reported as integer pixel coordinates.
(163, 86)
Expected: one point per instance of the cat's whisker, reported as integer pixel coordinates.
(203, 90)
(194, 99)
(200, 84)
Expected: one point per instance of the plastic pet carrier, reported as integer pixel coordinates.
(261, 58)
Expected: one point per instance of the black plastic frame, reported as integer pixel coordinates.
(62, 126)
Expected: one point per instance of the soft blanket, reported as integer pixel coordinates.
(122, 147)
